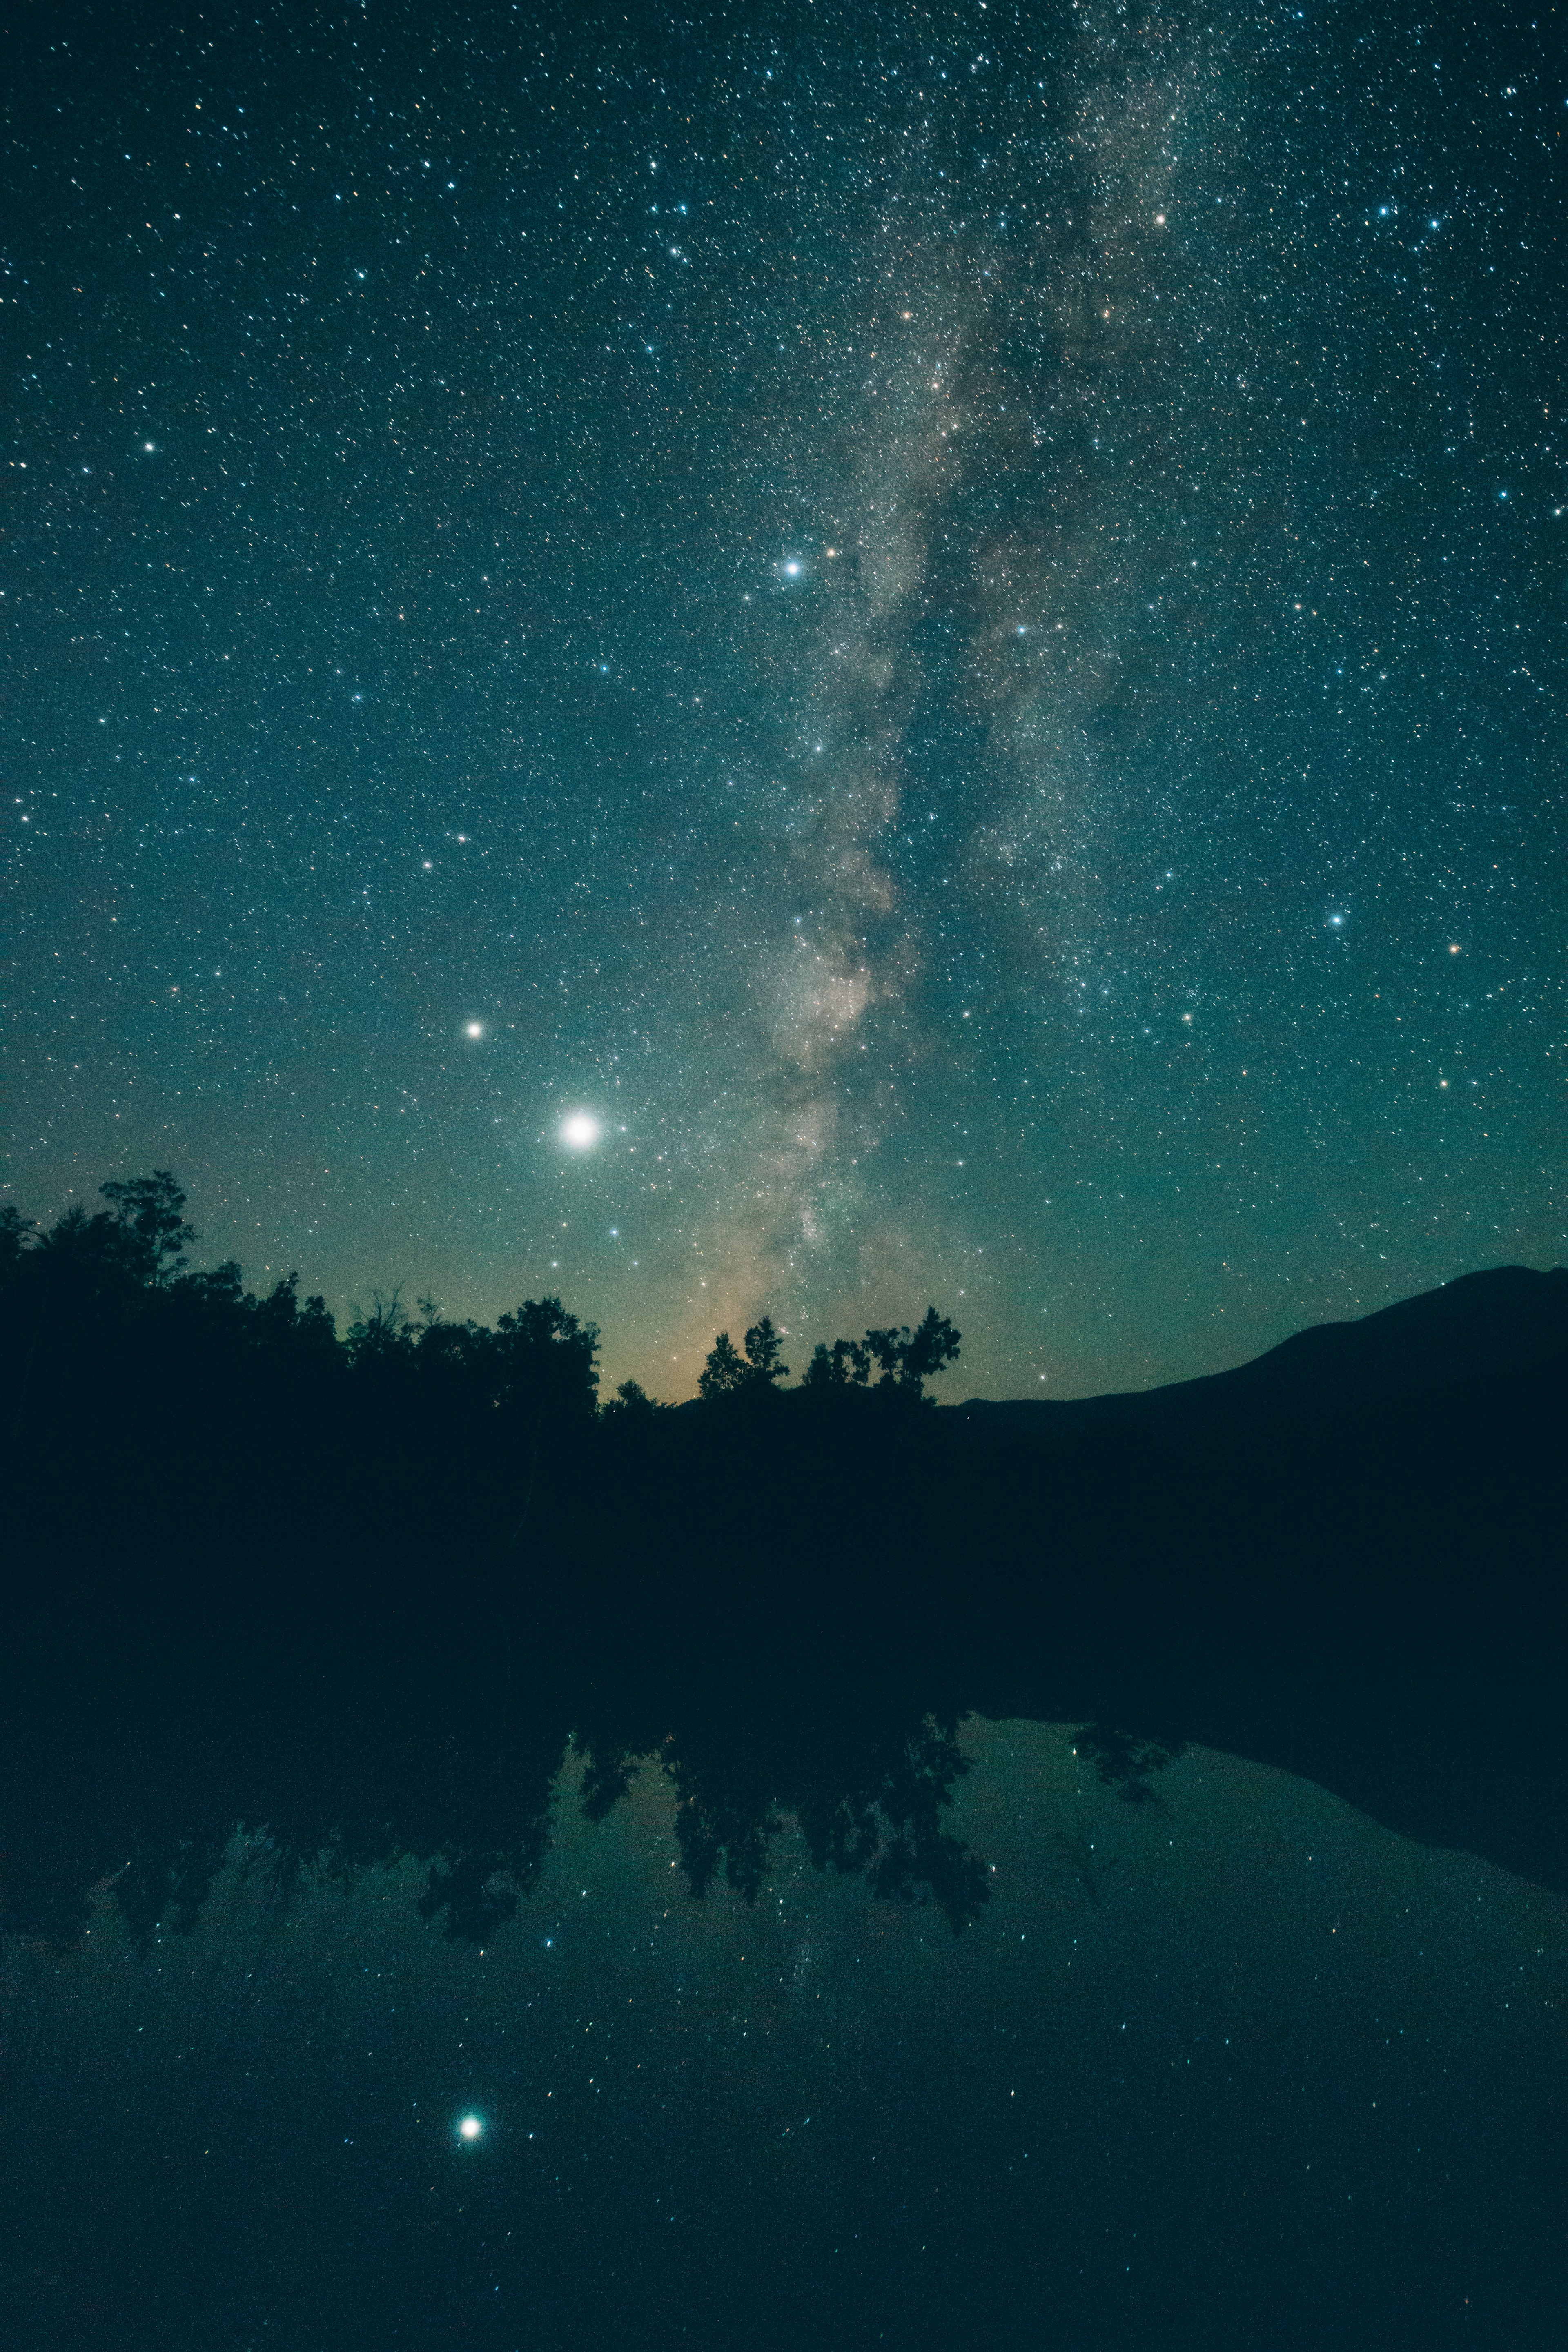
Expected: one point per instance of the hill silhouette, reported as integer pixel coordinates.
(1489, 1325)
(358, 1593)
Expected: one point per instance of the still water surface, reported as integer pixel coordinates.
(1233, 2067)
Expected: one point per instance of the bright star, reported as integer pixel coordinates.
(475, 1029)
(580, 1131)
(470, 2127)
(791, 570)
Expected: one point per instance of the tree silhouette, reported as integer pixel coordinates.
(729, 1373)
(17, 1234)
(725, 1371)
(908, 1359)
(279, 1316)
(548, 1362)
(763, 1349)
(150, 1212)
(847, 1364)
(631, 1402)
(381, 1336)
(929, 1349)
(217, 1509)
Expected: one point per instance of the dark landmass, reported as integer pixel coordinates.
(362, 1593)
(1494, 1325)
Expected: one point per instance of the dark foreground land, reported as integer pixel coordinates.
(362, 1593)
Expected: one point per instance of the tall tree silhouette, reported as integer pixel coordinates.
(18, 1235)
(150, 1212)
(729, 1373)
(927, 1350)
(726, 1370)
(764, 1349)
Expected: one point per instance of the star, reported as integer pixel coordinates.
(642, 887)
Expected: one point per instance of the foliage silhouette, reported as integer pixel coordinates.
(905, 1360)
(150, 1212)
(764, 1353)
(632, 1404)
(846, 1363)
(355, 1595)
(727, 1373)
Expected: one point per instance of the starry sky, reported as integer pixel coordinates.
(945, 622)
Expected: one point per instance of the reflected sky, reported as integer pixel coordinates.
(1235, 2066)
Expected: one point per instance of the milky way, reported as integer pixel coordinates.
(949, 625)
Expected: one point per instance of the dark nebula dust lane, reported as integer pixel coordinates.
(945, 626)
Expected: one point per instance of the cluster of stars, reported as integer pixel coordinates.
(1156, 521)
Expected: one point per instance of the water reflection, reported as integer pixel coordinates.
(142, 1794)
(1118, 1908)
(1231, 2065)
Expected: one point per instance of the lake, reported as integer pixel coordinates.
(1212, 2059)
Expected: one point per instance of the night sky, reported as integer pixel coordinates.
(945, 622)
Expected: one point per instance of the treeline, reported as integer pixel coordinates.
(191, 1461)
(537, 1368)
(249, 1557)
(280, 1566)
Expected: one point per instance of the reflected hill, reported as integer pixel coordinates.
(360, 1596)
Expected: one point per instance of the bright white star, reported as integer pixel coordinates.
(475, 1029)
(580, 1131)
(470, 2127)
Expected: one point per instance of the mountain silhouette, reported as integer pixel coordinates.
(1492, 1325)
(359, 1591)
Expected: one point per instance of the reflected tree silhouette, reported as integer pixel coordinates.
(1127, 1761)
(357, 1597)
